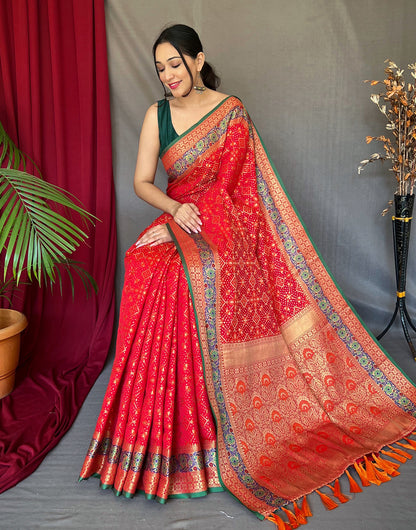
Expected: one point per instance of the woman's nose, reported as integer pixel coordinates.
(168, 74)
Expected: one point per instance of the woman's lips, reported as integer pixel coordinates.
(172, 86)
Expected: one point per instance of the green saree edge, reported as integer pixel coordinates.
(326, 266)
(180, 136)
(150, 496)
(188, 278)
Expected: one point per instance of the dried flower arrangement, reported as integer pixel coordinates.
(398, 104)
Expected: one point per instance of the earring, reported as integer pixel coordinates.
(199, 87)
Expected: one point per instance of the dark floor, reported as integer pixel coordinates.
(52, 498)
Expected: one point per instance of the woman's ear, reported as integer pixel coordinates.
(200, 60)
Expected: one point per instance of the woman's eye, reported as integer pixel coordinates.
(176, 65)
(160, 70)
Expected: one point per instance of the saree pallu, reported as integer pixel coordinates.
(298, 388)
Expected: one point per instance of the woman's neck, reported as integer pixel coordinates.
(194, 99)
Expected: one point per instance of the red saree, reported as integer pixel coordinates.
(298, 388)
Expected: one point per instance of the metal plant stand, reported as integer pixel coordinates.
(403, 205)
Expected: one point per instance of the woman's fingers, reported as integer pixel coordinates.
(187, 217)
(154, 236)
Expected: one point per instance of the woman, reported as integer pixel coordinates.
(239, 364)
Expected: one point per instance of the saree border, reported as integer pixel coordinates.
(321, 259)
(211, 341)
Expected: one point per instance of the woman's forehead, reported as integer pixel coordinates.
(165, 51)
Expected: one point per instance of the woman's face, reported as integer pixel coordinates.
(172, 70)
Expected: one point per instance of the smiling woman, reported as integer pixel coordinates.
(239, 364)
(172, 70)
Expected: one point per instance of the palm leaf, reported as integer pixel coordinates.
(11, 154)
(33, 235)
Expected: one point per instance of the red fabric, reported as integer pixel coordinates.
(54, 101)
(298, 388)
(155, 432)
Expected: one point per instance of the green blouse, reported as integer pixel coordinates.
(166, 131)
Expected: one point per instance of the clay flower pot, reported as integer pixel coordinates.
(12, 323)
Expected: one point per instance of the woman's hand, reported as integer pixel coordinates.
(187, 216)
(155, 236)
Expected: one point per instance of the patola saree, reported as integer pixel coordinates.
(245, 321)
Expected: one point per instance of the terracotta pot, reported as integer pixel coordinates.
(12, 323)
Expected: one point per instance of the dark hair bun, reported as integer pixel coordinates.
(209, 77)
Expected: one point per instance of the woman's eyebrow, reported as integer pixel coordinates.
(170, 58)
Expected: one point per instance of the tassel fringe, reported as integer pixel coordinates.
(362, 474)
(371, 472)
(327, 501)
(387, 463)
(336, 491)
(408, 445)
(278, 521)
(292, 518)
(411, 442)
(389, 467)
(295, 519)
(305, 507)
(354, 487)
(401, 452)
(300, 516)
(372, 469)
(394, 455)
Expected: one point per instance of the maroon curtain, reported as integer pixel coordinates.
(54, 102)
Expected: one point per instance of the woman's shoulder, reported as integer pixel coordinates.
(232, 99)
(220, 97)
(150, 121)
(154, 106)
(152, 111)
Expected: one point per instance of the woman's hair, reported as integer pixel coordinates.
(186, 42)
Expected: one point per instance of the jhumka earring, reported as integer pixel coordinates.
(199, 88)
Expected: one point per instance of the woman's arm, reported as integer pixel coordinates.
(186, 215)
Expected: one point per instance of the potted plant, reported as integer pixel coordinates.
(37, 238)
(397, 102)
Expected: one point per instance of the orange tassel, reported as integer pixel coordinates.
(305, 507)
(278, 521)
(382, 475)
(327, 501)
(362, 474)
(294, 523)
(411, 442)
(394, 465)
(371, 472)
(394, 455)
(387, 466)
(401, 452)
(338, 493)
(406, 446)
(299, 514)
(354, 487)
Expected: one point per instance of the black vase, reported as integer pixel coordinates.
(402, 219)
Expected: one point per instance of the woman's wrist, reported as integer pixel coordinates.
(173, 208)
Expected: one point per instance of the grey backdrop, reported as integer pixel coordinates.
(299, 67)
